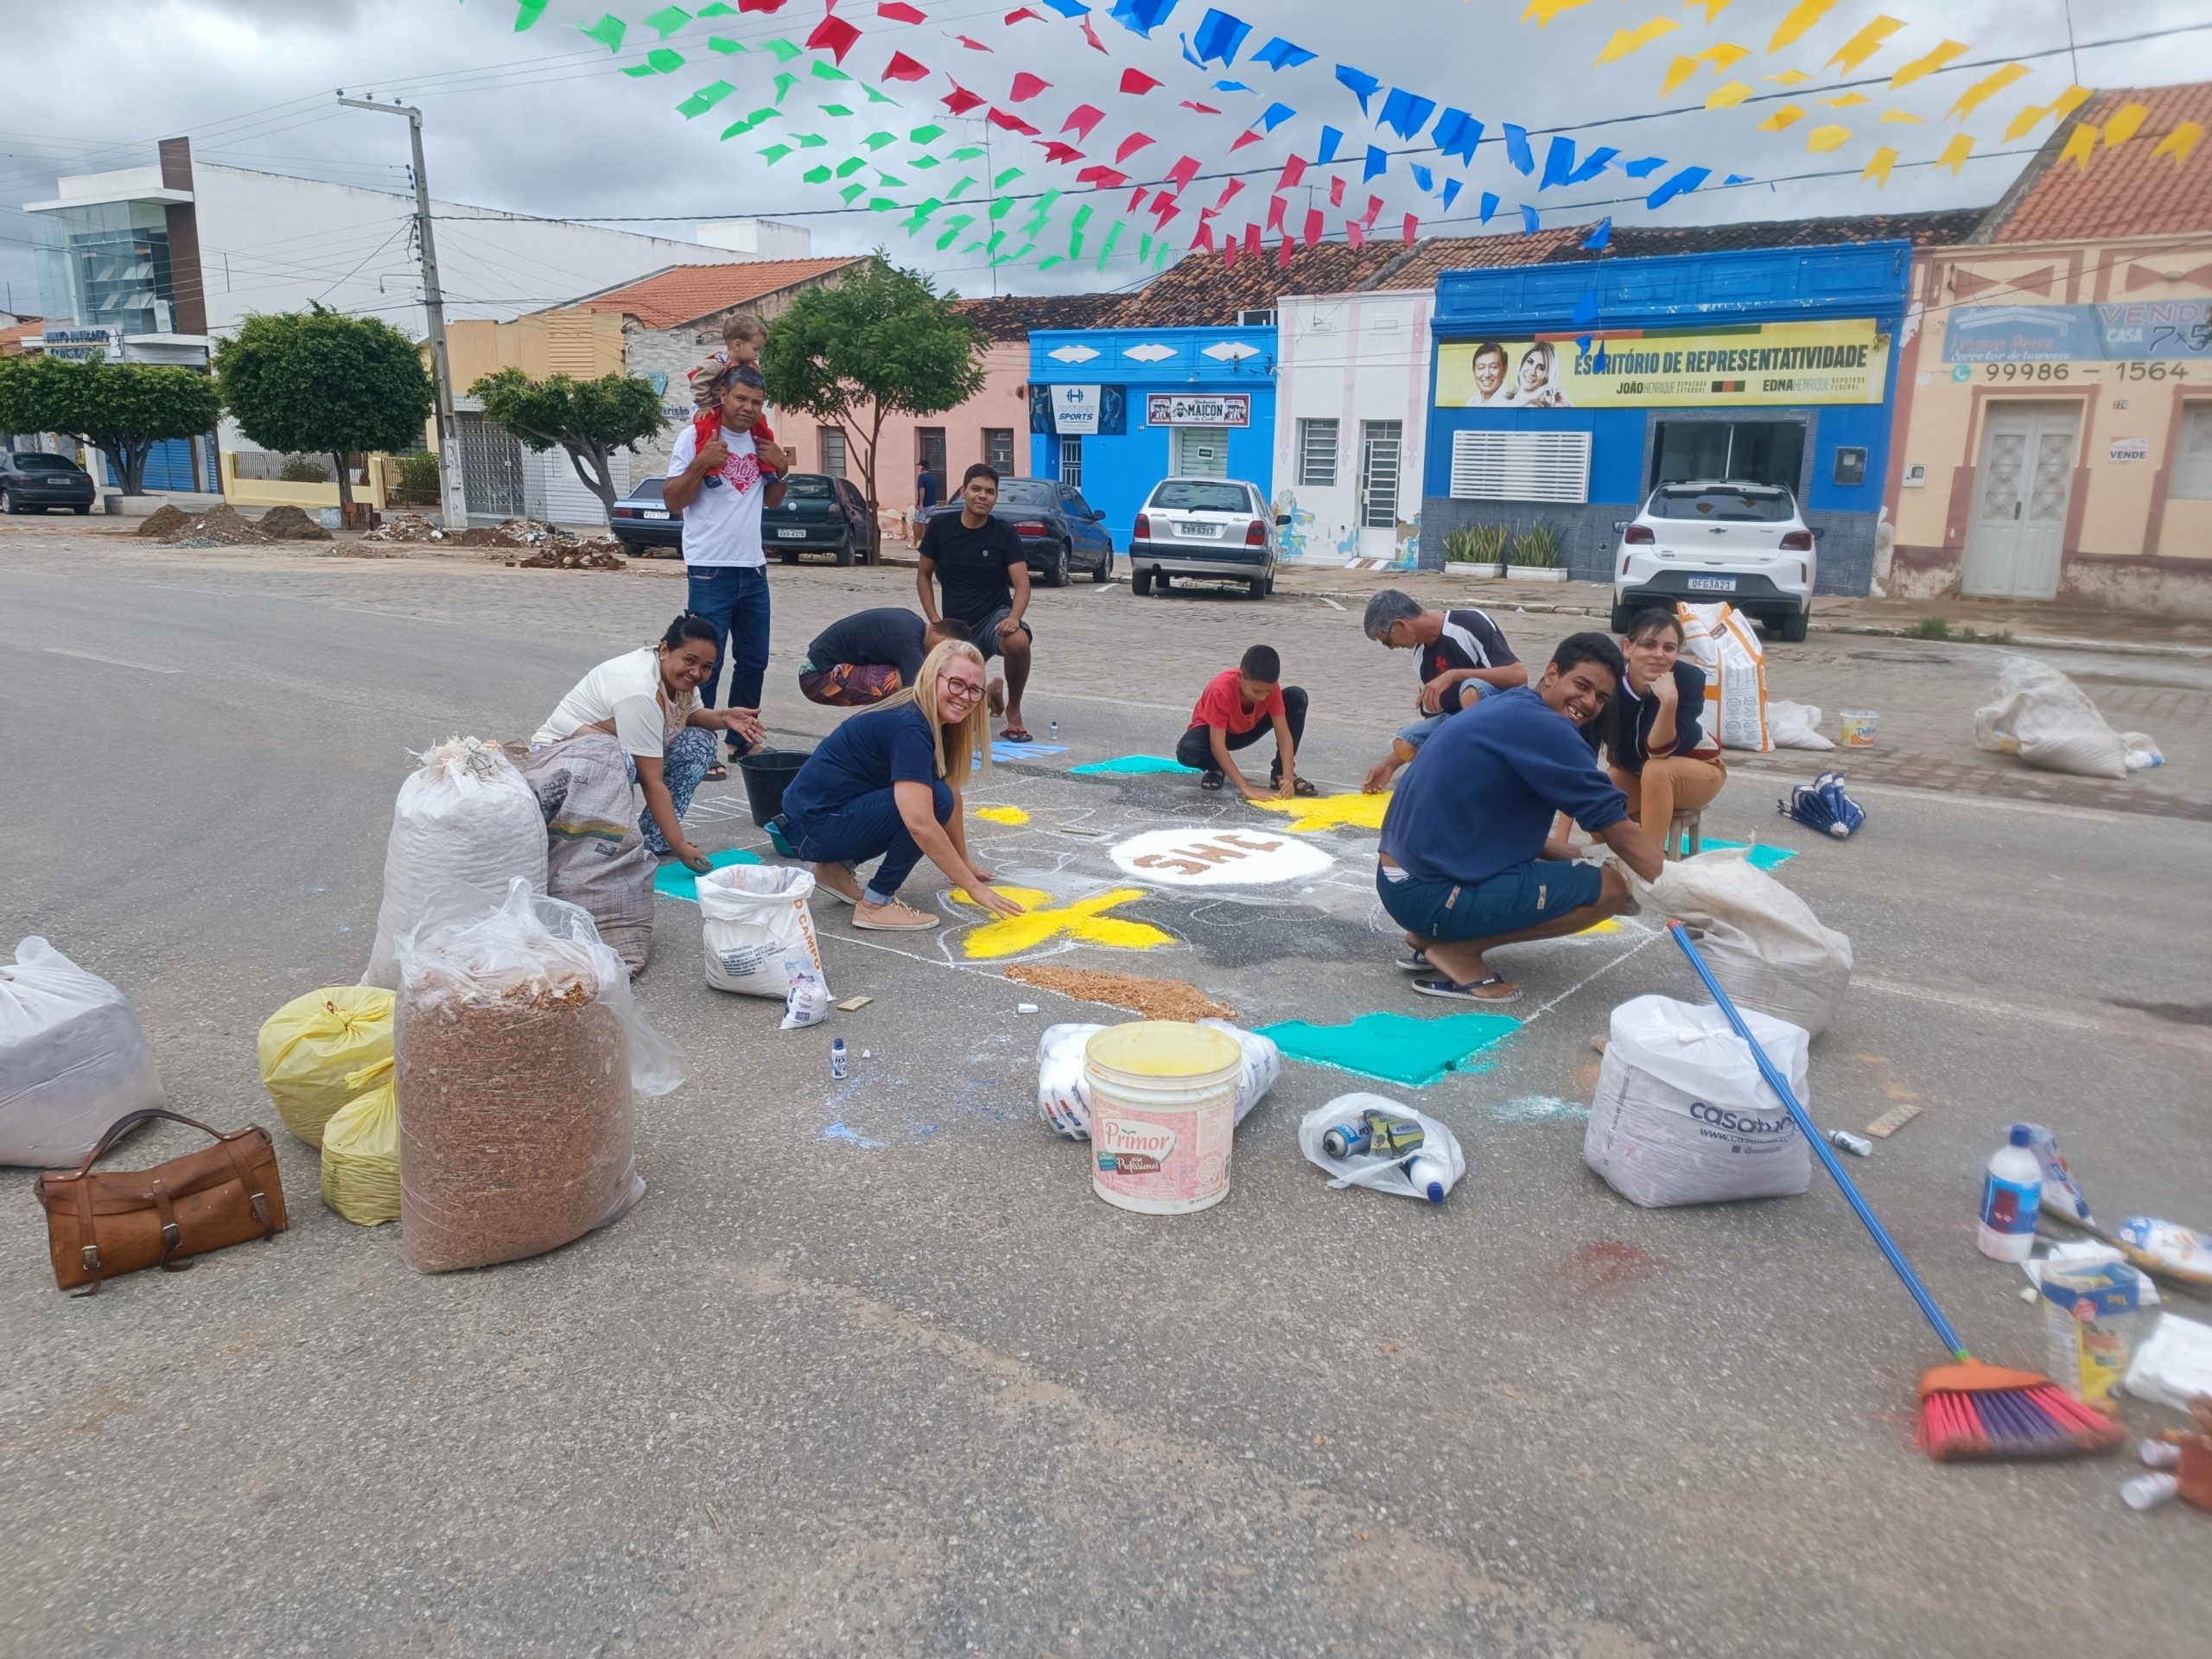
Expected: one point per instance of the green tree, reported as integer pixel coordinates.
(882, 342)
(320, 381)
(590, 419)
(124, 409)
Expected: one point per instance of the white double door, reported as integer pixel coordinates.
(2021, 491)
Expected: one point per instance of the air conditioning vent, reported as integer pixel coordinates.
(1520, 466)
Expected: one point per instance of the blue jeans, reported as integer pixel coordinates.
(860, 829)
(1413, 736)
(683, 761)
(1516, 898)
(734, 599)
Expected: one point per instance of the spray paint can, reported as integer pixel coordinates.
(1056, 731)
(836, 1056)
(1430, 1176)
(1857, 1145)
(1348, 1139)
(2147, 1491)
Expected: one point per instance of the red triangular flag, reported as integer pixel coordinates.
(1057, 151)
(1336, 193)
(1136, 198)
(1130, 145)
(1227, 191)
(1084, 118)
(1105, 178)
(1204, 237)
(973, 46)
(1275, 206)
(761, 5)
(1164, 218)
(897, 11)
(1373, 209)
(1251, 238)
(902, 67)
(1027, 11)
(1293, 171)
(1229, 253)
(835, 36)
(1136, 81)
(1011, 122)
(1184, 171)
(1091, 34)
(1026, 87)
(1282, 255)
(1413, 227)
(1242, 139)
(1163, 202)
(1313, 227)
(961, 100)
(1202, 109)
(1356, 232)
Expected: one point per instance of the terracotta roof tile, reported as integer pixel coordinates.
(1201, 292)
(2126, 191)
(1011, 316)
(1650, 241)
(12, 339)
(1442, 253)
(684, 294)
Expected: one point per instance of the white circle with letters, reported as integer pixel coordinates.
(1215, 857)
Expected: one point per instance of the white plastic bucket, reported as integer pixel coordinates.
(1163, 1112)
(1859, 725)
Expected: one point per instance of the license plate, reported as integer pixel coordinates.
(1197, 530)
(656, 512)
(1713, 584)
(800, 536)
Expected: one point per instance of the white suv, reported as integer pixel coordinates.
(1720, 540)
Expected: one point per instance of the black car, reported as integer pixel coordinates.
(31, 482)
(644, 524)
(1058, 529)
(821, 514)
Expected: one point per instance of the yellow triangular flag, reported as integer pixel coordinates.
(1544, 11)
(1722, 55)
(1677, 72)
(1926, 63)
(1821, 140)
(1845, 100)
(2080, 145)
(1728, 96)
(1864, 45)
(1985, 89)
(1789, 77)
(2070, 100)
(1787, 115)
(1801, 17)
(1628, 41)
(1712, 8)
(1878, 168)
(2178, 142)
(2024, 121)
(1955, 153)
(1900, 118)
(2123, 123)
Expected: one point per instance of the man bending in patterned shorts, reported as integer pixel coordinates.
(863, 658)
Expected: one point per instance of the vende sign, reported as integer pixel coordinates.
(1183, 409)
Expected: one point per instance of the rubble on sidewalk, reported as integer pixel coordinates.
(603, 554)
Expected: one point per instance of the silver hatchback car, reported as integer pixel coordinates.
(1214, 528)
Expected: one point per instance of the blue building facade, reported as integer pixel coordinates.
(1115, 410)
(1561, 395)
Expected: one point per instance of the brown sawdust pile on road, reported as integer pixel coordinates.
(1155, 999)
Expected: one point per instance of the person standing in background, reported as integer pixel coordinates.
(720, 487)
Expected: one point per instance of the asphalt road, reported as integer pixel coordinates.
(870, 1371)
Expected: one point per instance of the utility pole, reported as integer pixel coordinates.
(453, 499)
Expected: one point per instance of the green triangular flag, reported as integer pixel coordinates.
(784, 50)
(835, 109)
(665, 22)
(922, 214)
(529, 13)
(828, 72)
(924, 161)
(927, 135)
(966, 152)
(662, 61)
(809, 141)
(880, 140)
(718, 9)
(850, 165)
(947, 239)
(784, 85)
(608, 31)
(1001, 207)
(1006, 178)
(736, 128)
(1075, 244)
(1113, 235)
(882, 205)
(816, 175)
(889, 181)
(717, 43)
(955, 193)
(775, 153)
(876, 95)
(1082, 217)
(1144, 248)
(704, 100)
(852, 191)
(1048, 262)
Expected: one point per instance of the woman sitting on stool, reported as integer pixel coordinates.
(889, 781)
(1658, 752)
(648, 701)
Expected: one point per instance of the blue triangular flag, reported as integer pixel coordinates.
(1559, 161)
(1069, 8)
(1424, 180)
(1405, 114)
(1598, 363)
(1585, 311)
(1601, 237)
(1490, 205)
(1738, 178)
(1649, 165)
(1230, 86)
(1378, 163)
(1593, 164)
(1360, 82)
(1218, 35)
(1682, 182)
(1189, 56)
(1280, 54)
(1329, 139)
(1582, 344)
(1517, 152)
(1529, 223)
(1452, 189)
(1457, 133)
(1141, 16)
(1276, 115)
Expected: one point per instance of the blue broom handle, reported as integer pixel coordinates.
(1776, 1081)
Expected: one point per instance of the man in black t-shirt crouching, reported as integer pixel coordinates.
(979, 561)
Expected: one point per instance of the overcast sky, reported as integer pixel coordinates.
(544, 122)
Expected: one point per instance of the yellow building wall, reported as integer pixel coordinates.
(2120, 509)
(582, 345)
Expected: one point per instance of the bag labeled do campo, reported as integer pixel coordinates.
(759, 939)
(464, 818)
(1682, 1115)
(1719, 641)
(518, 1045)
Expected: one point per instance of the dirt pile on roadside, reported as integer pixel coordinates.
(515, 532)
(604, 554)
(219, 526)
(407, 527)
(163, 523)
(291, 525)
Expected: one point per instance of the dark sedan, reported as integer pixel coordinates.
(644, 524)
(1058, 529)
(32, 482)
(821, 514)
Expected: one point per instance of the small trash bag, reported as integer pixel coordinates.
(465, 818)
(72, 1059)
(311, 1048)
(1384, 1172)
(1682, 1115)
(361, 1151)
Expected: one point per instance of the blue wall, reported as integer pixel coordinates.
(168, 467)
(1867, 279)
(1119, 472)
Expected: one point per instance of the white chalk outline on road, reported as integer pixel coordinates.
(112, 662)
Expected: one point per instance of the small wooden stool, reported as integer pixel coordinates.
(1687, 828)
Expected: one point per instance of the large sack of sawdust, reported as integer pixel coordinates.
(1763, 942)
(2050, 723)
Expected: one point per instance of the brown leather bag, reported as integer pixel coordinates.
(98, 1226)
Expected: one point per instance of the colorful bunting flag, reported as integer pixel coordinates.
(1359, 83)
(1218, 36)
(1457, 133)
(835, 36)
(1331, 138)
(1137, 83)
(1559, 161)
(1293, 171)
(1600, 239)
(902, 67)
(1406, 114)
(897, 12)
(1682, 182)
(1026, 87)
(1280, 54)
(1517, 152)
(1378, 163)
(1141, 16)
(1529, 223)
(1130, 145)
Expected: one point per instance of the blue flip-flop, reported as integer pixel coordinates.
(1466, 991)
(1414, 961)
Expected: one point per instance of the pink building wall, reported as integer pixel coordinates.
(1003, 404)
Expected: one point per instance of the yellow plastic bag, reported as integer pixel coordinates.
(310, 1048)
(361, 1151)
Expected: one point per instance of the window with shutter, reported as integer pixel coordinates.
(2193, 454)
(1520, 466)
(1317, 454)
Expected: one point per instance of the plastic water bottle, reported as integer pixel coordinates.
(837, 1063)
(2147, 1491)
(1056, 731)
(1430, 1176)
(2011, 1193)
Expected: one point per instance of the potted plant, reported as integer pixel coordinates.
(1537, 555)
(1476, 550)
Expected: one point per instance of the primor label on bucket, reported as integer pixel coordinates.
(1130, 1146)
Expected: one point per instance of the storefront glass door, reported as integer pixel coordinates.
(1744, 452)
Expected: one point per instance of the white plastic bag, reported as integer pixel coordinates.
(2175, 1366)
(1063, 1092)
(759, 939)
(464, 818)
(1682, 1115)
(2048, 722)
(72, 1059)
(1793, 726)
(1727, 648)
(1383, 1173)
(1763, 944)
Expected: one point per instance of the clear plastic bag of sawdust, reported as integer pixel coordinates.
(518, 1047)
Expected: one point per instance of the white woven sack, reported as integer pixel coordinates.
(1763, 942)
(2050, 723)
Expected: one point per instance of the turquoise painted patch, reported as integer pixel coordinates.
(1397, 1047)
(674, 882)
(1134, 763)
(1762, 857)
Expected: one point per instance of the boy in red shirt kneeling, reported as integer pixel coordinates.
(1238, 705)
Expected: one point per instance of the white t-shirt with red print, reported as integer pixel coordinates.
(722, 524)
